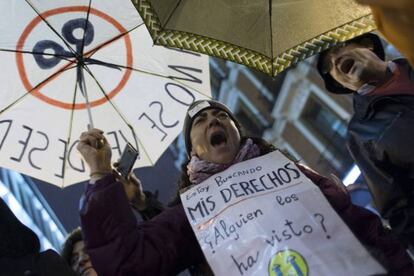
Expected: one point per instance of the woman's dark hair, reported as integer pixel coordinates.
(74, 237)
(184, 181)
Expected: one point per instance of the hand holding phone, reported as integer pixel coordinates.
(127, 160)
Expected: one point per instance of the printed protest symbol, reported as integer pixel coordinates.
(265, 217)
(77, 33)
(65, 62)
(68, 33)
(288, 263)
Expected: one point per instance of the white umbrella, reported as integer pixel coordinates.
(69, 63)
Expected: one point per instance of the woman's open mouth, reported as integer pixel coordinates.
(218, 138)
(347, 65)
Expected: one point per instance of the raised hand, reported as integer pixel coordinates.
(96, 152)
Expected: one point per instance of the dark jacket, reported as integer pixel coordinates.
(46, 263)
(153, 206)
(166, 245)
(19, 250)
(381, 141)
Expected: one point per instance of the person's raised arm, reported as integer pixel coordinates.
(96, 152)
(115, 241)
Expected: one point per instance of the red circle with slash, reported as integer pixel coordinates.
(35, 91)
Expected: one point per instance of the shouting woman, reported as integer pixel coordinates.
(166, 244)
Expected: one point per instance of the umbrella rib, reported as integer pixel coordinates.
(51, 27)
(106, 43)
(113, 65)
(35, 88)
(80, 79)
(79, 76)
(85, 28)
(171, 14)
(271, 34)
(63, 57)
(136, 139)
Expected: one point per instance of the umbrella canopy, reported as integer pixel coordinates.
(67, 63)
(268, 35)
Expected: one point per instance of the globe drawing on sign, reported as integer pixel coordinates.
(288, 262)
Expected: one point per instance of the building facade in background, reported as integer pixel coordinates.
(293, 111)
(311, 123)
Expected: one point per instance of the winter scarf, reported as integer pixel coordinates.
(199, 170)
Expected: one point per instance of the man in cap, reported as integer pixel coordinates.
(380, 133)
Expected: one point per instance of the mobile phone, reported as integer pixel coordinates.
(127, 160)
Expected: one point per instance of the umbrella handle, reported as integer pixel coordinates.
(82, 86)
(88, 107)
